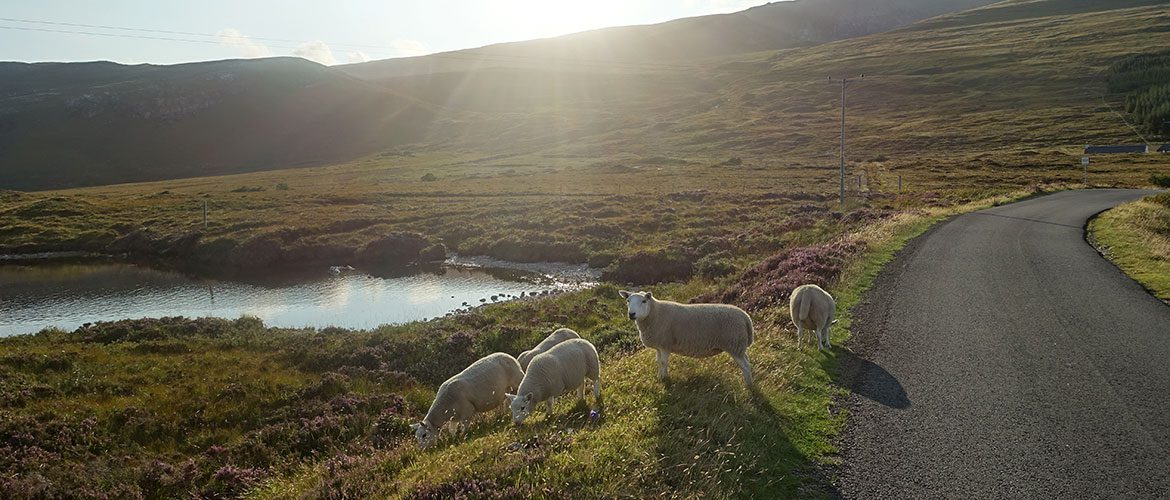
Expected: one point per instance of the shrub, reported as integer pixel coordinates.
(429, 177)
(715, 265)
(466, 489)
(1160, 180)
(772, 281)
(232, 481)
(390, 427)
(649, 267)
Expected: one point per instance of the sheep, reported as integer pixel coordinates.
(693, 330)
(554, 372)
(560, 335)
(812, 308)
(477, 389)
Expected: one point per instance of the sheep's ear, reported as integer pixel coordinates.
(510, 396)
(649, 295)
(624, 294)
(415, 426)
(528, 397)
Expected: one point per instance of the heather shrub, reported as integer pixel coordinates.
(772, 281)
(466, 489)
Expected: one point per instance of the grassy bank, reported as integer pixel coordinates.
(1136, 237)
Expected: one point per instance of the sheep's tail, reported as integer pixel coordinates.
(804, 307)
(834, 322)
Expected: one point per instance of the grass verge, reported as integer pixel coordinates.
(1136, 237)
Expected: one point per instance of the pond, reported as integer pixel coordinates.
(66, 295)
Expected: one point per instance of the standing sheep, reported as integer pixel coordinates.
(693, 330)
(812, 308)
(555, 372)
(478, 388)
(554, 338)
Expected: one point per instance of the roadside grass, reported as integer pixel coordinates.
(1136, 237)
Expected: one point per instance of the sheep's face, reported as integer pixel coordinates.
(639, 304)
(425, 434)
(521, 407)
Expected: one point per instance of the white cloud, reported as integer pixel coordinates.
(317, 51)
(357, 56)
(245, 47)
(408, 48)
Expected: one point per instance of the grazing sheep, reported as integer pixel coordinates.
(478, 388)
(554, 338)
(812, 308)
(693, 330)
(554, 372)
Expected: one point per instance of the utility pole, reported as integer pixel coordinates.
(844, 83)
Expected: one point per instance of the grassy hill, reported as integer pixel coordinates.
(68, 125)
(774, 26)
(79, 124)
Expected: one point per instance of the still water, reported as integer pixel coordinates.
(66, 295)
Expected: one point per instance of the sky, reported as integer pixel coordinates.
(329, 32)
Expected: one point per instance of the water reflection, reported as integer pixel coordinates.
(67, 295)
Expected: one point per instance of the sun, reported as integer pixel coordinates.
(526, 19)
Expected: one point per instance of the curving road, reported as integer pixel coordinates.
(1000, 356)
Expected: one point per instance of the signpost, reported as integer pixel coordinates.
(1085, 164)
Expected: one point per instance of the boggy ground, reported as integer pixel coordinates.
(643, 219)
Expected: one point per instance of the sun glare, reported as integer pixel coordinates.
(544, 18)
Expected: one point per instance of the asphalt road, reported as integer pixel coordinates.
(1000, 355)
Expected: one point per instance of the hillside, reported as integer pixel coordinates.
(79, 124)
(525, 172)
(82, 124)
(774, 26)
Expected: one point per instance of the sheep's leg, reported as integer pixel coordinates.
(663, 359)
(581, 391)
(799, 336)
(825, 331)
(597, 390)
(549, 405)
(746, 367)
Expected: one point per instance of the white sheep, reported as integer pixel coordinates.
(478, 388)
(554, 372)
(554, 338)
(693, 330)
(812, 308)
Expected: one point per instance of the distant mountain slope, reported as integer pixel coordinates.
(82, 124)
(777, 25)
(1015, 74)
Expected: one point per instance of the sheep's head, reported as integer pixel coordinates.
(521, 406)
(639, 303)
(426, 434)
